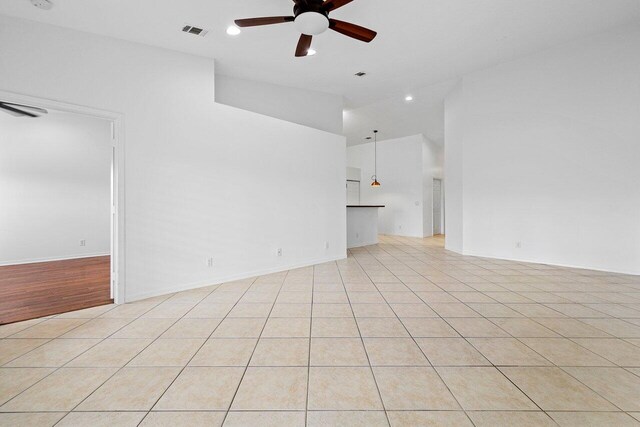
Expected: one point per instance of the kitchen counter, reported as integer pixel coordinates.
(362, 225)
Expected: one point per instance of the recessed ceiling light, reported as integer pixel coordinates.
(408, 98)
(233, 30)
(311, 52)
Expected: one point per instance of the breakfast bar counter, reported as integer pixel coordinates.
(362, 225)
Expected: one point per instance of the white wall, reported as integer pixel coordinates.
(405, 170)
(306, 107)
(55, 187)
(547, 151)
(354, 174)
(431, 168)
(453, 171)
(201, 179)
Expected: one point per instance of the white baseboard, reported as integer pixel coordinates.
(230, 278)
(49, 259)
(363, 244)
(579, 267)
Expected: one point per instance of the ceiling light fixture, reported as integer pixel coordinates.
(375, 182)
(311, 52)
(233, 30)
(312, 23)
(408, 98)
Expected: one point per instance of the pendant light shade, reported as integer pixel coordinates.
(375, 182)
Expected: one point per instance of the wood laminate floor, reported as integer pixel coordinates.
(42, 289)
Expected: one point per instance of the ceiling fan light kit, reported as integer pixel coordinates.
(232, 30)
(311, 18)
(312, 23)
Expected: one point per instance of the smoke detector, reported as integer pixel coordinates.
(42, 4)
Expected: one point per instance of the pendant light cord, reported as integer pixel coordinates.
(375, 154)
(375, 182)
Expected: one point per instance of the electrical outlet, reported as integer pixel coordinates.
(209, 262)
(357, 235)
(399, 227)
(326, 245)
(83, 242)
(279, 252)
(518, 245)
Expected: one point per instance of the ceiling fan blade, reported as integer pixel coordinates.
(255, 22)
(352, 30)
(303, 45)
(16, 111)
(330, 5)
(27, 107)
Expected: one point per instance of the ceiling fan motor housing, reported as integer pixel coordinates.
(310, 17)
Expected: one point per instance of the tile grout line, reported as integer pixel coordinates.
(500, 370)
(192, 356)
(56, 369)
(125, 365)
(196, 352)
(313, 283)
(413, 339)
(466, 340)
(246, 368)
(375, 381)
(492, 364)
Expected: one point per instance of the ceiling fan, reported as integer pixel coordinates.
(311, 18)
(20, 110)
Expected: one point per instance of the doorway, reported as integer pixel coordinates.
(58, 230)
(437, 207)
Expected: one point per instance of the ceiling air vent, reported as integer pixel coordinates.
(42, 4)
(360, 74)
(194, 30)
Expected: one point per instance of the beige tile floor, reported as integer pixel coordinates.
(403, 334)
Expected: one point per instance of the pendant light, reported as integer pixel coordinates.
(375, 182)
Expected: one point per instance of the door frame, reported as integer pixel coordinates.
(117, 179)
(441, 203)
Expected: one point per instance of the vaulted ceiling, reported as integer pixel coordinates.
(420, 45)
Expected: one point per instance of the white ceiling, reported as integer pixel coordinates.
(420, 44)
(396, 118)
